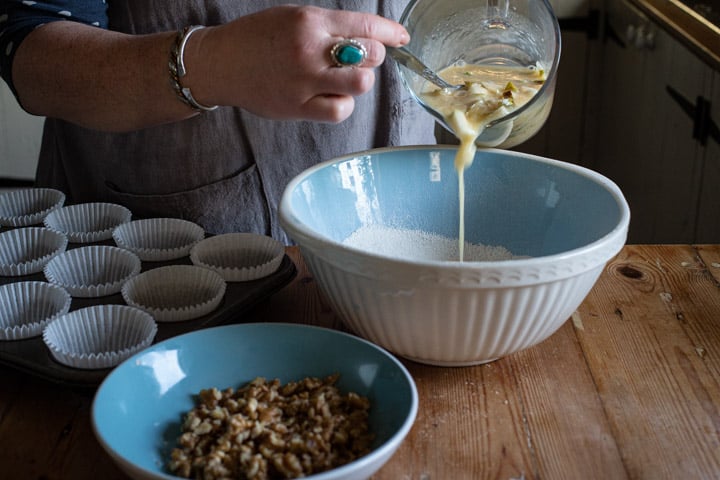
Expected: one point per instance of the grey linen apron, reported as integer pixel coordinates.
(227, 169)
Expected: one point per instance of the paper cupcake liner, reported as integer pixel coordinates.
(27, 250)
(101, 336)
(28, 206)
(175, 293)
(88, 222)
(239, 257)
(93, 271)
(26, 307)
(158, 239)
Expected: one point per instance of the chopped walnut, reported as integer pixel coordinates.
(266, 430)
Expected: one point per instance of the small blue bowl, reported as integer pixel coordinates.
(138, 409)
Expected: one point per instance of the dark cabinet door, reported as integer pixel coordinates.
(645, 140)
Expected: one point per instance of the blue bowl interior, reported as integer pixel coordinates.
(138, 409)
(529, 205)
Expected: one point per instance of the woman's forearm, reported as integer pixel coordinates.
(275, 63)
(97, 78)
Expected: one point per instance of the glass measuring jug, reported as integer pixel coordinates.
(495, 33)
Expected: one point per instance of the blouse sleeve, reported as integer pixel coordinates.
(19, 17)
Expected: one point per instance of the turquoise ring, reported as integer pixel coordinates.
(348, 53)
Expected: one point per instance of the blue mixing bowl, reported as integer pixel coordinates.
(562, 223)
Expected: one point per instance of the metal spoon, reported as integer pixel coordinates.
(404, 57)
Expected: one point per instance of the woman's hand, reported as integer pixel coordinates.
(277, 63)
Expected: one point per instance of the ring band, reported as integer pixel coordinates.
(348, 53)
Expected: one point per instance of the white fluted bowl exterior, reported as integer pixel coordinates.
(449, 313)
(440, 315)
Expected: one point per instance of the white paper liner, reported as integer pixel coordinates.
(27, 250)
(100, 336)
(26, 307)
(239, 257)
(28, 206)
(158, 239)
(93, 271)
(88, 222)
(175, 293)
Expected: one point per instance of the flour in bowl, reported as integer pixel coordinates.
(419, 245)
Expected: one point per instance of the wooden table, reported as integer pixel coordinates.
(629, 387)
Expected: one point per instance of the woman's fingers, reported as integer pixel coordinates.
(346, 80)
(278, 63)
(343, 24)
(329, 108)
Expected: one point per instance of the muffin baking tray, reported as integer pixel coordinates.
(32, 355)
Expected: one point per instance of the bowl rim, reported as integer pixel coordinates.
(612, 241)
(382, 451)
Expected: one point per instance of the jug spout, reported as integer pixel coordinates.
(499, 9)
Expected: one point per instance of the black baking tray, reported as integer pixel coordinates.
(33, 357)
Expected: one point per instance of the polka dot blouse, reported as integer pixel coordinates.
(19, 17)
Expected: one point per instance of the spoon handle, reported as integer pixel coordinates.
(404, 57)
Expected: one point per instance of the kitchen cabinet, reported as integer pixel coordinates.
(568, 134)
(708, 218)
(564, 135)
(655, 135)
(20, 135)
(561, 138)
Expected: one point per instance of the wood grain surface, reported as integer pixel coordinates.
(628, 388)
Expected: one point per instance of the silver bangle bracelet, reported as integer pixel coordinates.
(177, 70)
